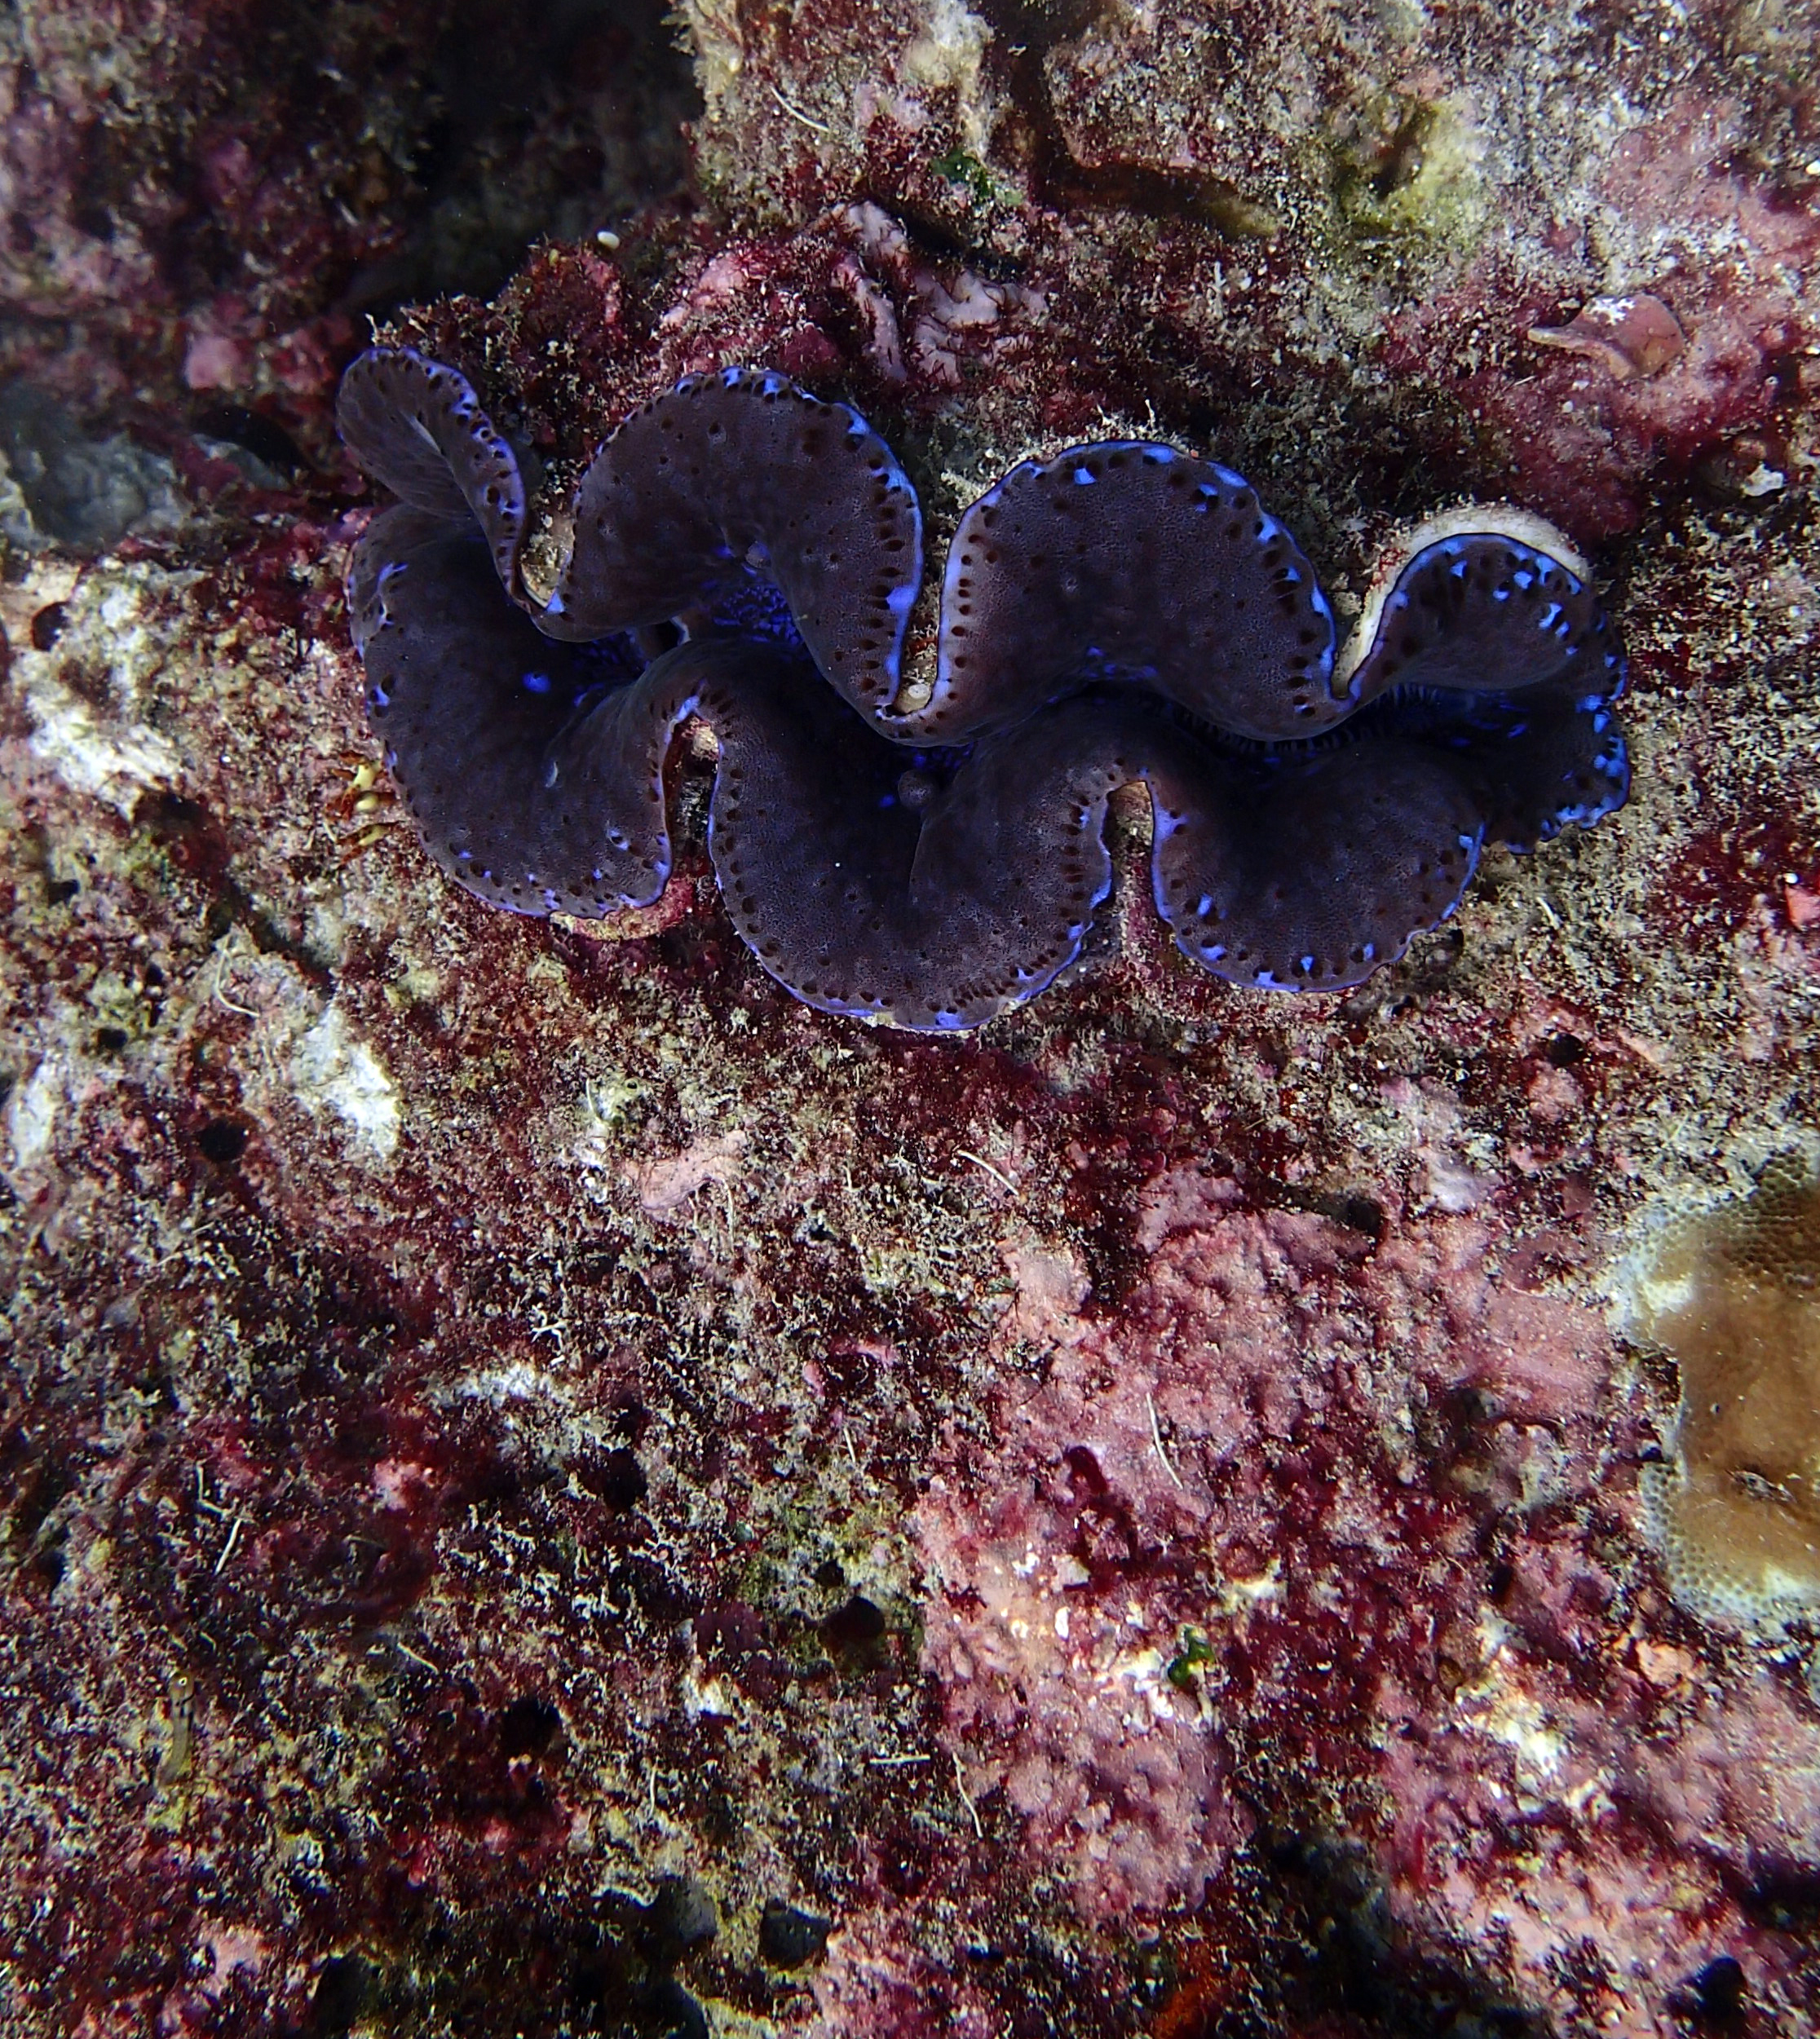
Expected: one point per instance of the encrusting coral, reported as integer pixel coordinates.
(1734, 1294)
(1122, 613)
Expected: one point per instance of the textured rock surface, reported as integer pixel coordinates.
(521, 1444)
(201, 200)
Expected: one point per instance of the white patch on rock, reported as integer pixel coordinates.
(32, 1116)
(1456, 1181)
(116, 766)
(1051, 1288)
(115, 626)
(946, 55)
(516, 1381)
(333, 1072)
(1499, 1705)
(706, 1696)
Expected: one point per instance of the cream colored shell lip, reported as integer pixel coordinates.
(1465, 520)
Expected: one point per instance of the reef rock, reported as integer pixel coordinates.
(547, 1485)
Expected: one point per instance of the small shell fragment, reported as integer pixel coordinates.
(1629, 337)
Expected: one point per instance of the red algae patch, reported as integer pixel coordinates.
(1731, 1293)
(1195, 1547)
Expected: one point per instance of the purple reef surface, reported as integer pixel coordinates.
(547, 1487)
